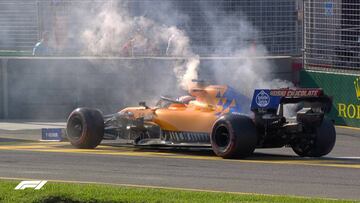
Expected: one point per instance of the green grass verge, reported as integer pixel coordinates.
(70, 192)
(15, 53)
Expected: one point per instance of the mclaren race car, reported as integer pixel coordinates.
(211, 116)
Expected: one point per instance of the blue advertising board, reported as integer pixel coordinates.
(51, 134)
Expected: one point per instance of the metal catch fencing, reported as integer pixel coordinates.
(19, 28)
(332, 35)
(277, 22)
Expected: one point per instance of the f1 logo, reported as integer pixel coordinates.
(36, 184)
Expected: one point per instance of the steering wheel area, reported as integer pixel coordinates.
(170, 100)
(165, 102)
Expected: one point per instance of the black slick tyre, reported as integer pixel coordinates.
(85, 128)
(233, 136)
(320, 144)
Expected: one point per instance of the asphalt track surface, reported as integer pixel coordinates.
(270, 171)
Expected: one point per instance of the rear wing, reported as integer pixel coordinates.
(271, 99)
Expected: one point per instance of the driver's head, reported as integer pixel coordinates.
(185, 99)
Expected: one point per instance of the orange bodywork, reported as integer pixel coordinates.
(198, 115)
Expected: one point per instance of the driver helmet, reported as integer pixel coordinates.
(185, 99)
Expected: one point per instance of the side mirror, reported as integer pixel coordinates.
(144, 105)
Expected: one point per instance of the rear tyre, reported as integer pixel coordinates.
(233, 136)
(320, 144)
(85, 128)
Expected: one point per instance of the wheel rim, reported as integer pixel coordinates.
(222, 137)
(75, 128)
(304, 146)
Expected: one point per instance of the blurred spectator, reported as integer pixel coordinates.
(139, 45)
(170, 45)
(127, 49)
(42, 48)
(60, 24)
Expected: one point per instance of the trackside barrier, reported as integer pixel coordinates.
(51, 87)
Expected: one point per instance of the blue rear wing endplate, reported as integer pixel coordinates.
(263, 100)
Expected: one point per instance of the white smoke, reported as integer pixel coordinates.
(249, 67)
(107, 31)
(114, 32)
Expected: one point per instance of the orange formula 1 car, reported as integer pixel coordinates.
(212, 117)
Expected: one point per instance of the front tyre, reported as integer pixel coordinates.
(233, 136)
(85, 128)
(320, 144)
